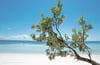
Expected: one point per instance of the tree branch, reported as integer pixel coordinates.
(78, 56)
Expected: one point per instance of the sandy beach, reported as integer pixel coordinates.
(39, 59)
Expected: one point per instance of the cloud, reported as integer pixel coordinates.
(16, 37)
(28, 37)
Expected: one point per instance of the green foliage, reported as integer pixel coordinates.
(38, 28)
(33, 26)
(60, 20)
(56, 10)
(84, 25)
(54, 40)
(90, 26)
(46, 24)
(66, 37)
(33, 36)
(46, 28)
(79, 36)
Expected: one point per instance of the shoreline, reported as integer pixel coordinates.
(40, 59)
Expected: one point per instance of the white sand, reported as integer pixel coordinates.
(39, 59)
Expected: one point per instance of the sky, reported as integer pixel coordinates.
(17, 17)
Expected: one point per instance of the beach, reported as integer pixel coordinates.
(33, 53)
(40, 59)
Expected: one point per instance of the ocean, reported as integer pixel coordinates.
(15, 46)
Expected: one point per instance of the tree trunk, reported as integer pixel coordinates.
(87, 60)
(78, 56)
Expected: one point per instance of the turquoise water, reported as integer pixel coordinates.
(36, 47)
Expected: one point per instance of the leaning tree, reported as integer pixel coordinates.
(58, 45)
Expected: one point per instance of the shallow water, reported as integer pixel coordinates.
(36, 47)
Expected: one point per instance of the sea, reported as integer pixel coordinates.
(22, 46)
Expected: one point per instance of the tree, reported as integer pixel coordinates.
(58, 45)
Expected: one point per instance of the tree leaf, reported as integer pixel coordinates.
(33, 26)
